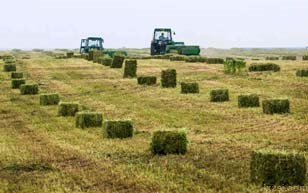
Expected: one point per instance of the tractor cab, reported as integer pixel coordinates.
(162, 43)
(91, 43)
(161, 38)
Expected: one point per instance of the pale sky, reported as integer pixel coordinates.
(45, 24)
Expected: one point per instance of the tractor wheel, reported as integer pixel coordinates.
(152, 51)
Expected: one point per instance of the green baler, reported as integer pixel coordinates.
(96, 43)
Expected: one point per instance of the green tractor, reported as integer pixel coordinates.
(163, 43)
(96, 43)
(91, 43)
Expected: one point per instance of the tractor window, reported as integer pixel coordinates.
(162, 35)
(83, 43)
(94, 43)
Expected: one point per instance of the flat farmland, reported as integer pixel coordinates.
(42, 152)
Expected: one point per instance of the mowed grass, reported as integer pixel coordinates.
(41, 152)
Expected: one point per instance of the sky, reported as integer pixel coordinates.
(130, 23)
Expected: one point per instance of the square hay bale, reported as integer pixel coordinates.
(288, 57)
(169, 142)
(234, 66)
(89, 119)
(219, 95)
(272, 58)
(96, 55)
(251, 100)
(17, 75)
(17, 82)
(117, 61)
(130, 69)
(60, 56)
(302, 73)
(107, 61)
(168, 78)
(305, 57)
(277, 168)
(8, 67)
(10, 60)
(90, 55)
(118, 129)
(263, 67)
(215, 61)
(193, 59)
(100, 59)
(49, 99)
(68, 108)
(187, 88)
(177, 58)
(85, 56)
(7, 57)
(278, 106)
(147, 80)
(29, 89)
(69, 54)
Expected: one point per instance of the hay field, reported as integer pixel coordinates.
(41, 152)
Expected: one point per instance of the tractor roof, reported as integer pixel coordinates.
(162, 29)
(94, 38)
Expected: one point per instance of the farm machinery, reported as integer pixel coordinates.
(96, 43)
(91, 43)
(163, 43)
